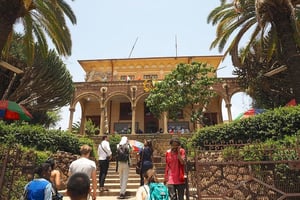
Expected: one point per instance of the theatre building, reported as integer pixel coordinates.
(114, 92)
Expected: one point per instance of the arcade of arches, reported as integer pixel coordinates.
(114, 92)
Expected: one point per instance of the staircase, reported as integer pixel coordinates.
(112, 181)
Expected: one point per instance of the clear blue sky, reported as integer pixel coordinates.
(109, 29)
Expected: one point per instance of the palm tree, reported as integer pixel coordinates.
(267, 92)
(39, 18)
(275, 18)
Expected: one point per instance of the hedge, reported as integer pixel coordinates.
(273, 124)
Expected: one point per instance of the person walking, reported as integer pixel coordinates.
(145, 157)
(55, 179)
(104, 154)
(39, 188)
(123, 163)
(55, 174)
(78, 186)
(143, 192)
(174, 171)
(87, 166)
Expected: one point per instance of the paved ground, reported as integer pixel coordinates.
(106, 198)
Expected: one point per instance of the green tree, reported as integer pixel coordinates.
(47, 85)
(76, 127)
(90, 128)
(39, 18)
(267, 92)
(187, 86)
(276, 18)
(48, 119)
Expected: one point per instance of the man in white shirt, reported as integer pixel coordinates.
(87, 166)
(104, 154)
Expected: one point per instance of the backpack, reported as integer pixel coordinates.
(158, 191)
(35, 190)
(123, 153)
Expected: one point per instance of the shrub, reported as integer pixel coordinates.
(273, 124)
(42, 139)
(113, 141)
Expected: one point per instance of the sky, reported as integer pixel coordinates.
(143, 28)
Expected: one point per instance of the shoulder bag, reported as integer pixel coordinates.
(107, 156)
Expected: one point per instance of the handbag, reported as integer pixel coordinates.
(138, 166)
(57, 196)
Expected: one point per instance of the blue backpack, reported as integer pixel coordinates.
(158, 191)
(35, 190)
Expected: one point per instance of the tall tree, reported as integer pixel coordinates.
(186, 86)
(258, 18)
(39, 18)
(267, 92)
(46, 85)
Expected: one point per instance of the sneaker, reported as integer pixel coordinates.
(122, 196)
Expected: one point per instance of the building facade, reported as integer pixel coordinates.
(114, 92)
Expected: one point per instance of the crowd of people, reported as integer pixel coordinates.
(82, 183)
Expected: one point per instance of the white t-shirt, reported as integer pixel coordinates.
(142, 193)
(84, 165)
(101, 153)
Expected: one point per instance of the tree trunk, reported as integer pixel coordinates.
(9, 11)
(9, 87)
(286, 32)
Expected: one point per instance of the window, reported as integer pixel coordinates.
(147, 112)
(127, 77)
(210, 119)
(180, 114)
(125, 111)
(124, 127)
(178, 127)
(151, 76)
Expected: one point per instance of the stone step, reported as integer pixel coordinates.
(112, 192)
(112, 165)
(112, 181)
(159, 170)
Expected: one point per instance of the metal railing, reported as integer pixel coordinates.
(245, 171)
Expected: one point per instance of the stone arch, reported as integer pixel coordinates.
(233, 92)
(114, 94)
(140, 97)
(81, 99)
